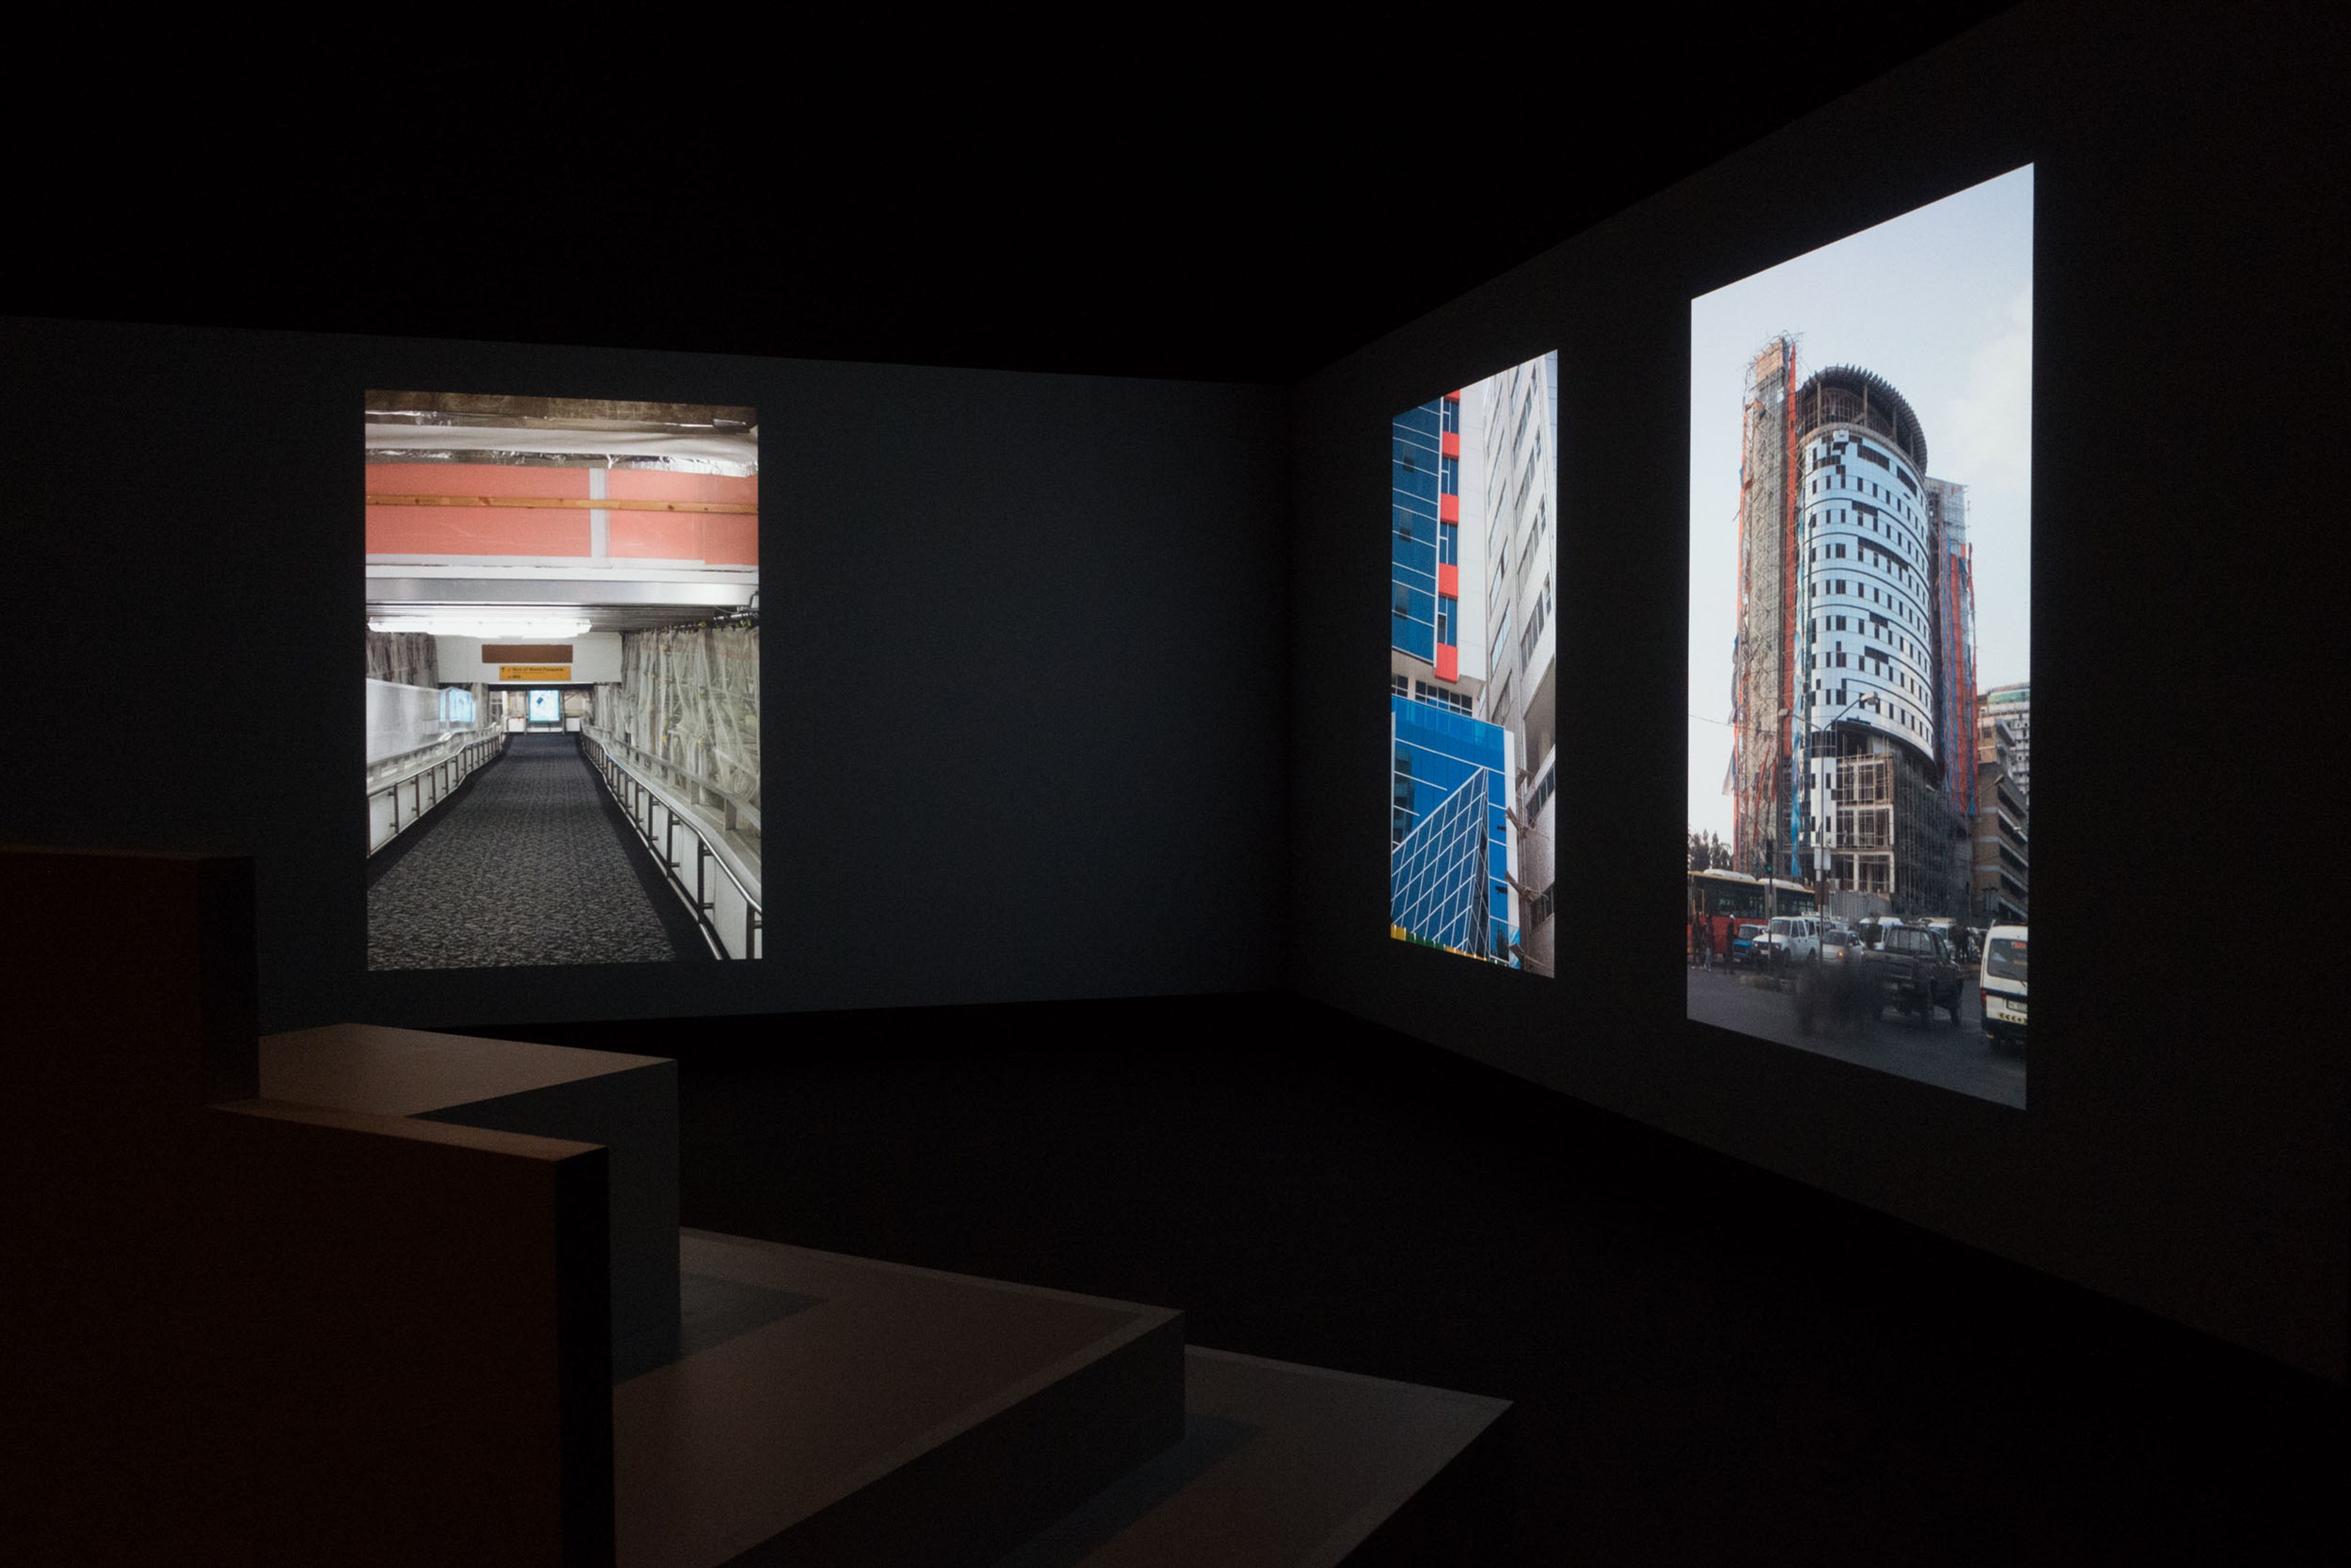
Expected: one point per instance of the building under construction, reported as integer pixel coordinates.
(2003, 844)
(1852, 673)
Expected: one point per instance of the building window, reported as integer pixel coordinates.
(1437, 696)
(1543, 789)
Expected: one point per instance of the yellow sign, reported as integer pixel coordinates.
(534, 672)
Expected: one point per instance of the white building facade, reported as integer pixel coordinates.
(1517, 517)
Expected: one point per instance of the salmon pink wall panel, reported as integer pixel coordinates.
(464, 530)
(660, 485)
(655, 536)
(475, 530)
(474, 479)
(730, 540)
(719, 538)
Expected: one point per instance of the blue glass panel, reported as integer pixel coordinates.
(1443, 730)
(1426, 420)
(1436, 869)
(1417, 482)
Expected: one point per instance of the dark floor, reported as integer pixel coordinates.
(1710, 1364)
(530, 863)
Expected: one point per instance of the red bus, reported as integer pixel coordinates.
(1719, 900)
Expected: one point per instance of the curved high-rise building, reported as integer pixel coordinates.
(1865, 624)
(1854, 644)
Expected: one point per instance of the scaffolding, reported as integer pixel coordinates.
(1763, 656)
(1886, 830)
(1847, 394)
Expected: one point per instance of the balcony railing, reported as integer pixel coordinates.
(400, 792)
(719, 883)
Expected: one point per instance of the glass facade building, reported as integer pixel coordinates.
(1424, 547)
(1450, 835)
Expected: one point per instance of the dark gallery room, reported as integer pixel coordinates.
(1050, 1156)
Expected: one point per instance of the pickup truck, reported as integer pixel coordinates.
(1912, 970)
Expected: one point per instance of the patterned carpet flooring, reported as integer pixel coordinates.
(527, 867)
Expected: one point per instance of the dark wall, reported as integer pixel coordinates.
(2185, 1144)
(1021, 699)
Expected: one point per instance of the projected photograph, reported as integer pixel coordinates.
(562, 639)
(1472, 741)
(1860, 646)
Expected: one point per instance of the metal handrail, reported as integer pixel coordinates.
(644, 759)
(468, 759)
(614, 771)
(437, 748)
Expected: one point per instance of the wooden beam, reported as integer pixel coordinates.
(567, 503)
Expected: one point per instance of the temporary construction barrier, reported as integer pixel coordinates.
(689, 698)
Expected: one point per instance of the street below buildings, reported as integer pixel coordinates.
(1951, 1055)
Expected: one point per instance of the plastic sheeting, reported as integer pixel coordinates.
(402, 658)
(402, 719)
(701, 451)
(691, 697)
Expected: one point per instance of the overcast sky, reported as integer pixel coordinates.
(1939, 302)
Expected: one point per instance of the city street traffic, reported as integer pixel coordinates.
(1943, 1052)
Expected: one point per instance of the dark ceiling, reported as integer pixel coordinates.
(1249, 224)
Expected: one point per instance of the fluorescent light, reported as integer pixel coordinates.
(480, 625)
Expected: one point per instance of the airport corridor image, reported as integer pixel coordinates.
(562, 689)
(528, 866)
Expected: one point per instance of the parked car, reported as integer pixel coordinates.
(1791, 939)
(2002, 985)
(1743, 940)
